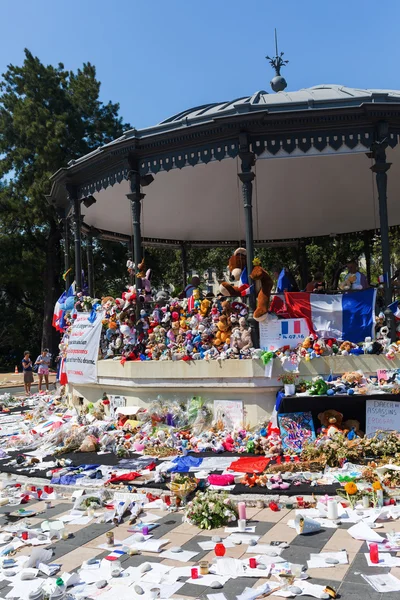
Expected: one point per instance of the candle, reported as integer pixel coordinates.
(332, 509)
(242, 510)
(252, 563)
(374, 553)
(195, 573)
(145, 530)
(379, 497)
(365, 501)
(242, 524)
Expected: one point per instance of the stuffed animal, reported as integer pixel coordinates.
(331, 420)
(261, 276)
(236, 265)
(352, 425)
(223, 331)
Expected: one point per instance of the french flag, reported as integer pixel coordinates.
(58, 311)
(348, 316)
(395, 308)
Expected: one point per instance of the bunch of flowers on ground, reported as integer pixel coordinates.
(211, 510)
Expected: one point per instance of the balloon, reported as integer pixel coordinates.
(69, 303)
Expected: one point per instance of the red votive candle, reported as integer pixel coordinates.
(252, 563)
(195, 573)
(24, 535)
(374, 553)
(219, 549)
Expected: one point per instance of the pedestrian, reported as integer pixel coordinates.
(43, 362)
(27, 370)
(354, 280)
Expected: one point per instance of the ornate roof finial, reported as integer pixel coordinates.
(278, 83)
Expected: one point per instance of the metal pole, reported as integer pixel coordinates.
(184, 265)
(367, 253)
(89, 255)
(78, 244)
(136, 198)
(380, 168)
(246, 177)
(66, 253)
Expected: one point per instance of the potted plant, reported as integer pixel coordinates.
(289, 383)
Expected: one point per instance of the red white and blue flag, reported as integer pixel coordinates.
(348, 316)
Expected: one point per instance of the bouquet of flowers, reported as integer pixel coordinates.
(288, 378)
(350, 492)
(182, 485)
(211, 510)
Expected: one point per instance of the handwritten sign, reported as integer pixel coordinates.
(83, 349)
(283, 332)
(382, 415)
(229, 412)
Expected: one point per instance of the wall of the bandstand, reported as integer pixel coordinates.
(142, 382)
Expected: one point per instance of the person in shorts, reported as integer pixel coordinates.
(43, 362)
(27, 369)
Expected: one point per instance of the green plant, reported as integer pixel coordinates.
(211, 510)
(288, 378)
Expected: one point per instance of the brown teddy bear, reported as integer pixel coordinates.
(259, 274)
(223, 335)
(236, 264)
(349, 424)
(331, 421)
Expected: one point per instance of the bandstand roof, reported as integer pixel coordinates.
(312, 172)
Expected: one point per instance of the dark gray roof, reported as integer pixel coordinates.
(329, 96)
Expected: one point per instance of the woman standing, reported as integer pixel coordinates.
(44, 363)
(28, 372)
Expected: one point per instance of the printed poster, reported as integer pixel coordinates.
(297, 429)
(83, 349)
(276, 333)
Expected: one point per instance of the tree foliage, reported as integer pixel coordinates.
(48, 116)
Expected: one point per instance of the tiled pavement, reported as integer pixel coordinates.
(271, 526)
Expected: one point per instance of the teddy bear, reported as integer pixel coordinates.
(352, 425)
(222, 335)
(264, 280)
(205, 307)
(236, 265)
(331, 421)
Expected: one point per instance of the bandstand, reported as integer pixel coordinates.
(258, 170)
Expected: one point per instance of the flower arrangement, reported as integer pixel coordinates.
(211, 510)
(288, 378)
(182, 485)
(350, 492)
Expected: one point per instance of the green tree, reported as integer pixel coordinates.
(48, 116)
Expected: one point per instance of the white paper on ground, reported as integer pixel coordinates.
(383, 547)
(150, 545)
(362, 531)
(116, 546)
(157, 573)
(264, 549)
(216, 596)
(177, 572)
(249, 529)
(385, 560)
(184, 556)
(38, 555)
(148, 517)
(81, 520)
(229, 567)
(265, 560)
(243, 537)
(319, 560)
(253, 593)
(383, 583)
(207, 580)
(209, 545)
(22, 589)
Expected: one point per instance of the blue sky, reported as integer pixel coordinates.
(158, 57)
